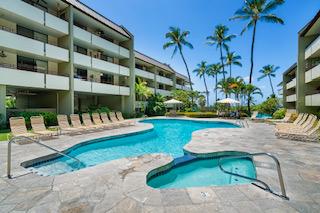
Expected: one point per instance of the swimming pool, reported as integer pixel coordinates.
(263, 116)
(204, 172)
(168, 136)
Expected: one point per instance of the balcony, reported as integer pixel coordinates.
(292, 84)
(164, 80)
(144, 74)
(22, 78)
(313, 49)
(312, 74)
(100, 65)
(100, 88)
(19, 10)
(312, 100)
(164, 92)
(291, 98)
(17, 43)
(100, 43)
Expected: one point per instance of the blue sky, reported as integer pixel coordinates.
(149, 20)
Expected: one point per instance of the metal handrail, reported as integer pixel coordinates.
(15, 139)
(266, 186)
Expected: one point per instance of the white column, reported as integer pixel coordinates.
(3, 94)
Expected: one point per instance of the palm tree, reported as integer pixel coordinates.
(220, 39)
(235, 85)
(177, 39)
(250, 91)
(254, 11)
(225, 86)
(142, 92)
(214, 70)
(201, 71)
(232, 59)
(269, 71)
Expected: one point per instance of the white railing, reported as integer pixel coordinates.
(312, 48)
(23, 44)
(101, 43)
(34, 15)
(22, 78)
(163, 92)
(144, 74)
(312, 74)
(291, 98)
(100, 88)
(312, 100)
(164, 80)
(101, 65)
(292, 83)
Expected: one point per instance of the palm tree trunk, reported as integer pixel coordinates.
(271, 85)
(216, 88)
(207, 92)
(252, 50)
(251, 68)
(185, 63)
(221, 58)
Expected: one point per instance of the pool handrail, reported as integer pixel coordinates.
(266, 186)
(15, 139)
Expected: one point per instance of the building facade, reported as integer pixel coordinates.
(62, 56)
(301, 87)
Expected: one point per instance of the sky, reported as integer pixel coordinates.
(149, 20)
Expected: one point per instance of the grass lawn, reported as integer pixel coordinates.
(3, 134)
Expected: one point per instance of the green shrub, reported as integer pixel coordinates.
(268, 107)
(279, 114)
(155, 106)
(198, 114)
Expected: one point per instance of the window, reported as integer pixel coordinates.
(106, 78)
(81, 74)
(29, 64)
(161, 86)
(107, 58)
(32, 34)
(80, 50)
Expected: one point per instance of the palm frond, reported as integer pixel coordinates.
(271, 18)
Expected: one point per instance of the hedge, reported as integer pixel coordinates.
(199, 114)
(50, 118)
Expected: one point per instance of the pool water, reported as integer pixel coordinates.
(263, 116)
(168, 136)
(204, 172)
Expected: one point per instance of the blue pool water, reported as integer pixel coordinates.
(168, 136)
(205, 172)
(264, 116)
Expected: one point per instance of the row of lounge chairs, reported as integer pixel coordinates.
(305, 128)
(89, 123)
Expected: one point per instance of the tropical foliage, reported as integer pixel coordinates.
(178, 39)
(269, 71)
(220, 38)
(202, 71)
(269, 106)
(155, 105)
(254, 11)
(279, 114)
(214, 70)
(232, 59)
(142, 91)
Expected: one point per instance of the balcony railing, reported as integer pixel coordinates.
(36, 16)
(292, 84)
(100, 43)
(99, 64)
(11, 40)
(312, 48)
(25, 76)
(144, 74)
(312, 74)
(291, 98)
(164, 80)
(312, 100)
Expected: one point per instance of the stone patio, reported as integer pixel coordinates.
(120, 185)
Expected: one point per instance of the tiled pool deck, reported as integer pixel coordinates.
(120, 185)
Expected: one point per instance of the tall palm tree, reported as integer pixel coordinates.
(214, 70)
(250, 91)
(177, 39)
(201, 71)
(220, 39)
(269, 71)
(255, 11)
(232, 59)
